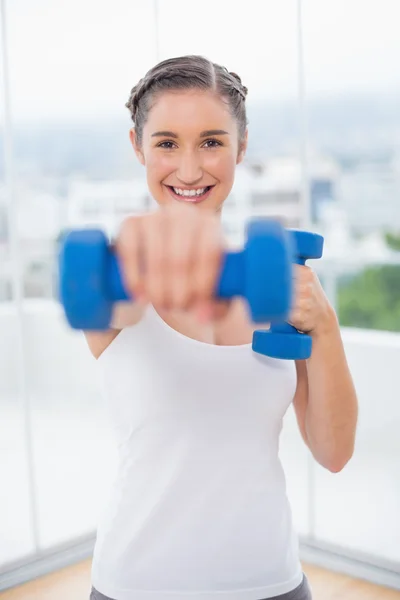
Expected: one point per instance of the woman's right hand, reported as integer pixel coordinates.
(171, 258)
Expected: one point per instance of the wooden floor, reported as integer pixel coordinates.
(73, 583)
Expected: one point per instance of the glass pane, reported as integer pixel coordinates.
(358, 508)
(74, 456)
(353, 96)
(16, 538)
(369, 297)
(5, 286)
(74, 167)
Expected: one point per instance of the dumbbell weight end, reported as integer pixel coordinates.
(282, 340)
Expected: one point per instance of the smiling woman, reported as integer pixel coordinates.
(199, 508)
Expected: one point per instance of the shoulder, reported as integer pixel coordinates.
(125, 315)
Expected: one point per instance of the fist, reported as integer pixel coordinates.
(172, 258)
(311, 311)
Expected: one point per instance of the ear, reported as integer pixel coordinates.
(135, 145)
(243, 148)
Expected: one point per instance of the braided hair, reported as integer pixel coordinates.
(187, 72)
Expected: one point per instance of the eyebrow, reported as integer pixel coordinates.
(206, 133)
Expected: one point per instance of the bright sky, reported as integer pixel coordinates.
(82, 57)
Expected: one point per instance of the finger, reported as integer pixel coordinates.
(154, 253)
(208, 261)
(127, 249)
(182, 242)
(295, 319)
(301, 314)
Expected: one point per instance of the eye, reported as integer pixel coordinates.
(213, 143)
(165, 146)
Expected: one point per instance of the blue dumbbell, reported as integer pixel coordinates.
(90, 279)
(282, 340)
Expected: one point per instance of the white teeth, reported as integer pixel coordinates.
(189, 192)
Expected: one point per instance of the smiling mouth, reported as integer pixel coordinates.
(190, 195)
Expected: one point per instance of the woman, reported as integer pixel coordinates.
(199, 507)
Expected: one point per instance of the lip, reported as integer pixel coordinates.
(190, 199)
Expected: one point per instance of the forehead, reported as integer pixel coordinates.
(189, 110)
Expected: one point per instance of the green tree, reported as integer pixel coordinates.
(393, 241)
(371, 300)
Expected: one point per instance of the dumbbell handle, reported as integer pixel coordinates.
(230, 283)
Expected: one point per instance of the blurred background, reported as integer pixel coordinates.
(324, 154)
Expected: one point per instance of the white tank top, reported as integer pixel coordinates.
(198, 509)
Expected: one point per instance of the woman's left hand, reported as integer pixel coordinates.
(311, 312)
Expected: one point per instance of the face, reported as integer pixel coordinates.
(190, 149)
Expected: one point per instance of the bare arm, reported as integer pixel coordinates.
(125, 314)
(325, 401)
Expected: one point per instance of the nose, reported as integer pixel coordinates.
(189, 171)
